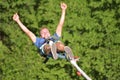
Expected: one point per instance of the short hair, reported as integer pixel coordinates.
(43, 27)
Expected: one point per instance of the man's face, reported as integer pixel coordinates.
(45, 33)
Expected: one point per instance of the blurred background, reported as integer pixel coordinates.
(91, 29)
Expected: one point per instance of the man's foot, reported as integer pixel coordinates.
(53, 51)
(69, 53)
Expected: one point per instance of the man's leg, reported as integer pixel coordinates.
(64, 49)
(47, 49)
(50, 50)
(60, 47)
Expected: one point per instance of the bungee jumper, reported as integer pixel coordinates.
(51, 46)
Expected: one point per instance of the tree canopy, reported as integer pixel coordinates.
(91, 29)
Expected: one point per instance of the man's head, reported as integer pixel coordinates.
(44, 33)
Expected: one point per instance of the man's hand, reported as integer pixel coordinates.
(61, 22)
(16, 17)
(24, 28)
(63, 6)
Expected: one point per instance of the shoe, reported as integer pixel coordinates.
(69, 53)
(54, 51)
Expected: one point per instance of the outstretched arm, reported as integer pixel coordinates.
(61, 22)
(24, 28)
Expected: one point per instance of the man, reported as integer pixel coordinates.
(49, 46)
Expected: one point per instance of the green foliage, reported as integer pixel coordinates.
(91, 29)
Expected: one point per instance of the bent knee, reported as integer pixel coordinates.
(47, 49)
(60, 46)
